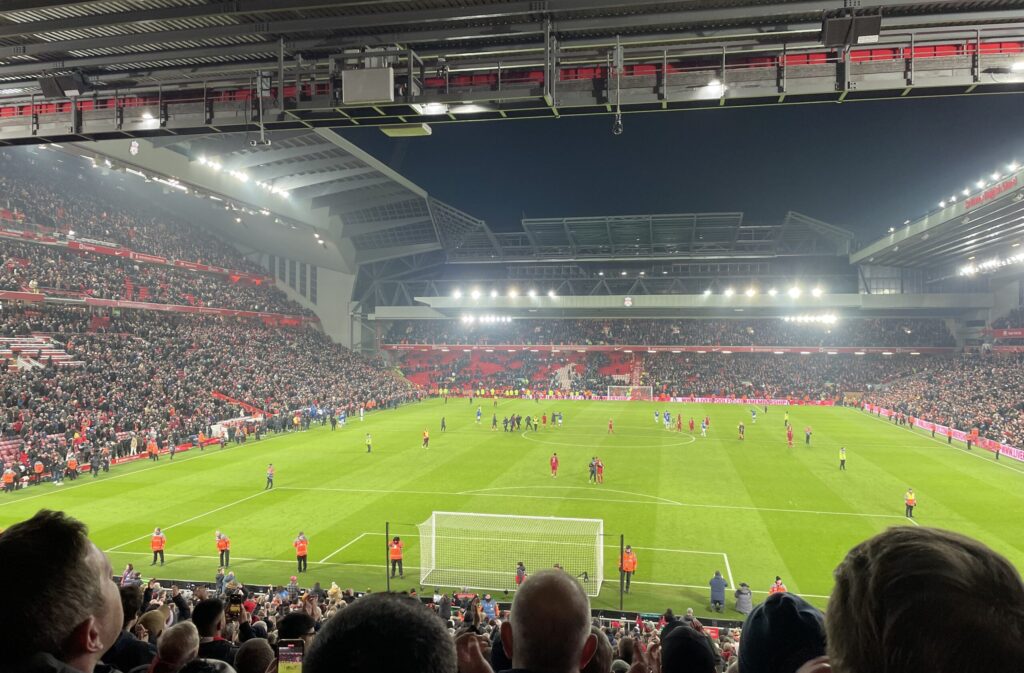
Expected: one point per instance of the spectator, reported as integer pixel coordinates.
(718, 586)
(549, 628)
(69, 620)
(921, 599)
(781, 635)
(601, 662)
(177, 646)
(129, 652)
(684, 650)
(254, 656)
(208, 616)
(382, 632)
(744, 599)
(295, 626)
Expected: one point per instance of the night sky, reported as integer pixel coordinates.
(864, 166)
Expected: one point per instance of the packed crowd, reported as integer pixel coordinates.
(984, 391)
(1013, 319)
(687, 332)
(38, 193)
(817, 376)
(55, 270)
(77, 620)
(147, 375)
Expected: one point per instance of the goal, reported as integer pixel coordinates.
(481, 551)
(631, 393)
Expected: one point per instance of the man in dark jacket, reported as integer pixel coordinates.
(129, 652)
(718, 586)
(208, 616)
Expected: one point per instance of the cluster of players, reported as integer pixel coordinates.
(596, 468)
(514, 422)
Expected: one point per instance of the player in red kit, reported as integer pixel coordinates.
(789, 435)
(707, 422)
(679, 422)
(691, 425)
(554, 465)
(611, 427)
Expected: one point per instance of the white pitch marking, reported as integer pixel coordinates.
(344, 546)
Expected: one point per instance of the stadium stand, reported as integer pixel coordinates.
(693, 332)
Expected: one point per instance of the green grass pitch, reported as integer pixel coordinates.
(689, 506)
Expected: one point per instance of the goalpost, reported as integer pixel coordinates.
(481, 551)
(631, 393)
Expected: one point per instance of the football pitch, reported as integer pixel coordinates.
(688, 505)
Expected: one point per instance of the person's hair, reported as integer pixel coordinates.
(920, 599)
(294, 625)
(601, 662)
(550, 622)
(625, 646)
(131, 604)
(53, 546)
(206, 614)
(178, 644)
(401, 628)
(254, 656)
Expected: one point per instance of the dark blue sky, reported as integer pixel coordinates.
(864, 165)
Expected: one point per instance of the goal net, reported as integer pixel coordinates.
(630, 393)
(481, 551)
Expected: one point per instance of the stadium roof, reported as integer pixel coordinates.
(195, 66)
(987, 221)
(642, 237)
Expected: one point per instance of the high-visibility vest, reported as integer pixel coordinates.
(38, 467)
(223, 544)
(8, 476)
(157, 542)
(628, 561)
(911, 499)
(72, 464)
(395, 550)
(300, 547)
(777, 589)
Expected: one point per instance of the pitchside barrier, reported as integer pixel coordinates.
(959, 435)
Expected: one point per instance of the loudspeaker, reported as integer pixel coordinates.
(848, 30)
(50, 87)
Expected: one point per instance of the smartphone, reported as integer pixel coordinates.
(289, 655)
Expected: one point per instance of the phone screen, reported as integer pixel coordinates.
(289, 656)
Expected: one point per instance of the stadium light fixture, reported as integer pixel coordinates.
(729, 292)
(238, 220)
(457, 294)
(475, 294)
(772, 292)
(494, 294)
(966, 192)
(513, 293)
(892, 230)
(1013, 166)
(794, 292)
(952, 199)
(532, 293)
(551, 294)
(979, 184)
(707, 292)
(942, 204)
(750, 292)
(600, 273)
(623, 273)
(816, 292)
(995, 176)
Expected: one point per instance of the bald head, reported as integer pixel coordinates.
(179, 644)
(549, 631)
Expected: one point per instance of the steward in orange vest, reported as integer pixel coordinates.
(224, 547)
(627, 566)
(156, 544)
(301, 545)
(395, 555)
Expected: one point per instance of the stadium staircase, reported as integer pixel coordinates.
(564, 376)
(35, 351)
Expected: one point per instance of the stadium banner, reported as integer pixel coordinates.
(959, 435)
(207, 310)
(1013, 333)
(756, 401)
(701, 350)
(22, 296)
